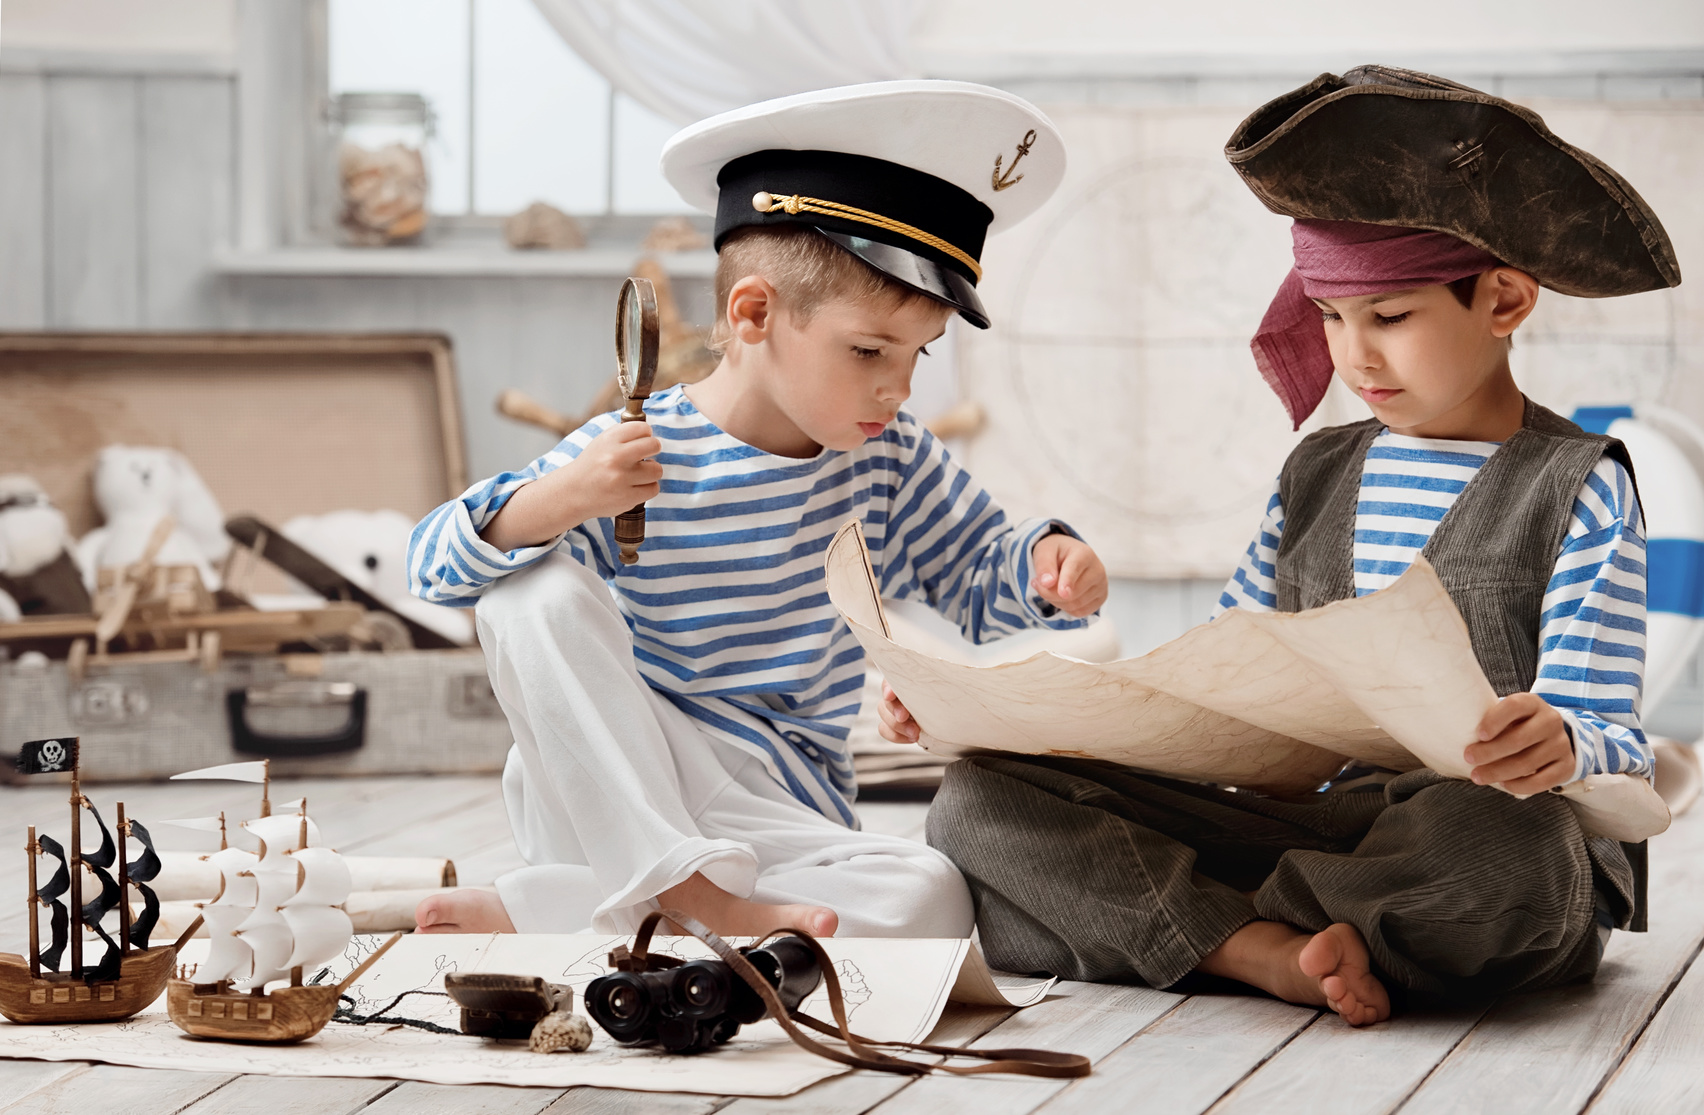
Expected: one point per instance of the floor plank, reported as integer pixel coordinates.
(19, 1078)
(414, 1098)
(115, 1088)
(1551, 1051)
(606, 1101)
(291, 1095)
(1087, 1018)
(857, 1092)
(1190, 1057)
(1371, 1069)
(1662, 1072)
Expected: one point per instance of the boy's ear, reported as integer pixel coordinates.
(751, 310)
(1513, 295)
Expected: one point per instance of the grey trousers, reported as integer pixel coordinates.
(1093, 871)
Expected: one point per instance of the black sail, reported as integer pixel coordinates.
(141, 873)
(103, 903)
(107, 854)
(61, 936)
(61, 881)
(147, 865)
(50, 894)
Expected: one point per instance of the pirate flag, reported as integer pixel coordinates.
(48, 756)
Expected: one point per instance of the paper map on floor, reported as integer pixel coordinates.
(1275, 702)
(895, 989)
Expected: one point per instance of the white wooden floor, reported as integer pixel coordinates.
(1633, 1041)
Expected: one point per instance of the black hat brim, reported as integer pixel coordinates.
(1391, 147)
(919, 273)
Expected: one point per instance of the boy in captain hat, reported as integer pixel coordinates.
(680, 741)
(1427, 216)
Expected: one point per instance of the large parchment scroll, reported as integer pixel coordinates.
(1274, 702)
(895, 990)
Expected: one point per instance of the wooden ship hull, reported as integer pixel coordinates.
(216, 1010)
(54, 997)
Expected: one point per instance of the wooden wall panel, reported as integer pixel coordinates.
(187, 157)
(23, 200)
(95, 201)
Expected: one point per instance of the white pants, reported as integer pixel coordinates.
(616, 795)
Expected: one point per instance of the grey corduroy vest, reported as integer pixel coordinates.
(1494, 550)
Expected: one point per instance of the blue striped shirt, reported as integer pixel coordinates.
(1591, 662)
(727, 605)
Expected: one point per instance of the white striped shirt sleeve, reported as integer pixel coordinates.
(449, 563)
(1592, 641)
(1254, 585)
(947, 541)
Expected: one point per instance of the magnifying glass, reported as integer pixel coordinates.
(635, 371)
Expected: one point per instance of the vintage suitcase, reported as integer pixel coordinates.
(278, 426)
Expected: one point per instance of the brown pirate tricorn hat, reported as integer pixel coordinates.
(1393, 147)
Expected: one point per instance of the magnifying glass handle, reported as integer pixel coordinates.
(630, 524)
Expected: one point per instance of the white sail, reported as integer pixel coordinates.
(320, 932)
(326, 880)
(228, 956)
(272, 943)
(235, 869)
(279, 834)
(232, 772)
(264, 930)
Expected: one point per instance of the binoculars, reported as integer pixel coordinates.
(701, 1003)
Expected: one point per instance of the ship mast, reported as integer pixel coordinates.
(301, 876)
(123, 882)
(76, 875)
(31, 850)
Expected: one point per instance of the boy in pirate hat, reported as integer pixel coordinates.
(681, 741)
(1427, 215)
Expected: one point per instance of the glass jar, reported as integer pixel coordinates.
(384, 192)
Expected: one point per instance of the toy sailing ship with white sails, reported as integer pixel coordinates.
(279, 912)
(129, 974)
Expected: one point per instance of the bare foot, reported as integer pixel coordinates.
(463, 911)
(1328, 969)
(729, 916)
(1338, 959)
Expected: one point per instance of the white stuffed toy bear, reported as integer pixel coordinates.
(136, 487)
(32, 533)
(371, 549)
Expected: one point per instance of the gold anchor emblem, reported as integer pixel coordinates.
(1002, 181)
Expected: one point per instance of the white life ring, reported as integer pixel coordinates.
(1667, 450)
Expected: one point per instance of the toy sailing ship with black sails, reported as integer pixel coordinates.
(129, 974)
(278, 912)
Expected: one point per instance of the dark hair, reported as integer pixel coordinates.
(1465, 288)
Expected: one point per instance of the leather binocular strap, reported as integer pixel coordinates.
(864, 1053)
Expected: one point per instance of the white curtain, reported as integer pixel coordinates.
(688, 59)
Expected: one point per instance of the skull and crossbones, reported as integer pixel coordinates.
(53, 754)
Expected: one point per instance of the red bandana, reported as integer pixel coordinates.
(1341, 259)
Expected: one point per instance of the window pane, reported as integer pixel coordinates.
(541, 115)
(639, 138)
(410, 46)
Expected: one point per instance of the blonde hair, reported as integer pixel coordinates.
(805, 268)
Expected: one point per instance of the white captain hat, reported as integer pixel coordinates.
(909, 176)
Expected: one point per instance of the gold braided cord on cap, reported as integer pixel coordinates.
(799, 204)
